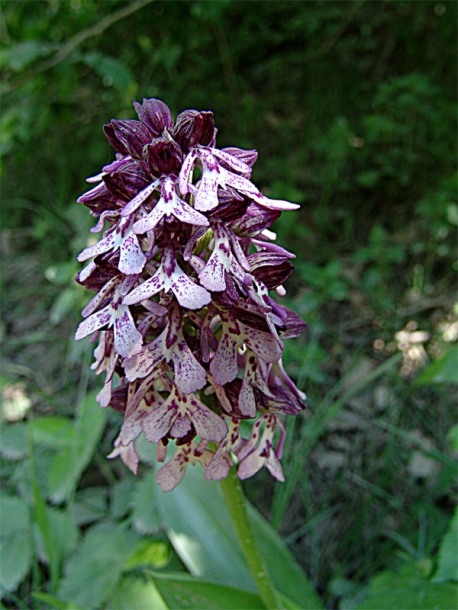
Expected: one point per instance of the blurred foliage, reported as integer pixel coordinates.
(352, 107)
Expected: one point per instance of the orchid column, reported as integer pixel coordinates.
(182, 310)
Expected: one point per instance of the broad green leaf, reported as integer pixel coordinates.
(133, 593)
(14, 515)
(16, 546)
(69, 464)
(447, 568)
(201, 532)
(444, 370)
(145, 515)
(186, 592)
(15, 559)
(14, 441)
(287, 576)
(53, 432)
(393, 592)
(90, 505)
(96, 567)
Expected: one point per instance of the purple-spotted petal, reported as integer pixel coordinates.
(127, 340)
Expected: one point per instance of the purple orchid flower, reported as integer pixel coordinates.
(183, 311)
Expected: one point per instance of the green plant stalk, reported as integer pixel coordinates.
(235, 502)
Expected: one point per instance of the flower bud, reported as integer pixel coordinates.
(155, 115)
(164, 156)
(127, 137)
(194, 128)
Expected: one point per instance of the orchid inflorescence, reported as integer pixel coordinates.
(182, 311)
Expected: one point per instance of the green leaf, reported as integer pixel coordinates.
(201, 532)
(63, 305)
(96, 567)
(64, 535)
(121, 497)
(15, 559)
(112, 71)
(16, 547)
(53, 432)
(21, 55)
(14, 441)
(145, 515)
(14, 516)
(444, 370)
(153, 553)
(54, 602)
(69, 464)
(288, 577)
(133, 593)
(447, 567)
(393, 591)
(90, 505)
(184, 591)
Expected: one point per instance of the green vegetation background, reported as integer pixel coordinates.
(352, 108)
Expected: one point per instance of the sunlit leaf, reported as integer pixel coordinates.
(154, 553)
(201, 532)
(133, 593)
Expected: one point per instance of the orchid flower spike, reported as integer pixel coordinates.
(183, 313)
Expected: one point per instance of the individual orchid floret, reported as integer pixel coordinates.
(127, 340)
(235, 336)
(226, 257)
(183, 310)
(170, 204)
(170, 475)
(170, 345)
(258, 453)
(168, 277)
(178, 414)
(127, 454)
(120, 236)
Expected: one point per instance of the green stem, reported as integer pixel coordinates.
(235, 502)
